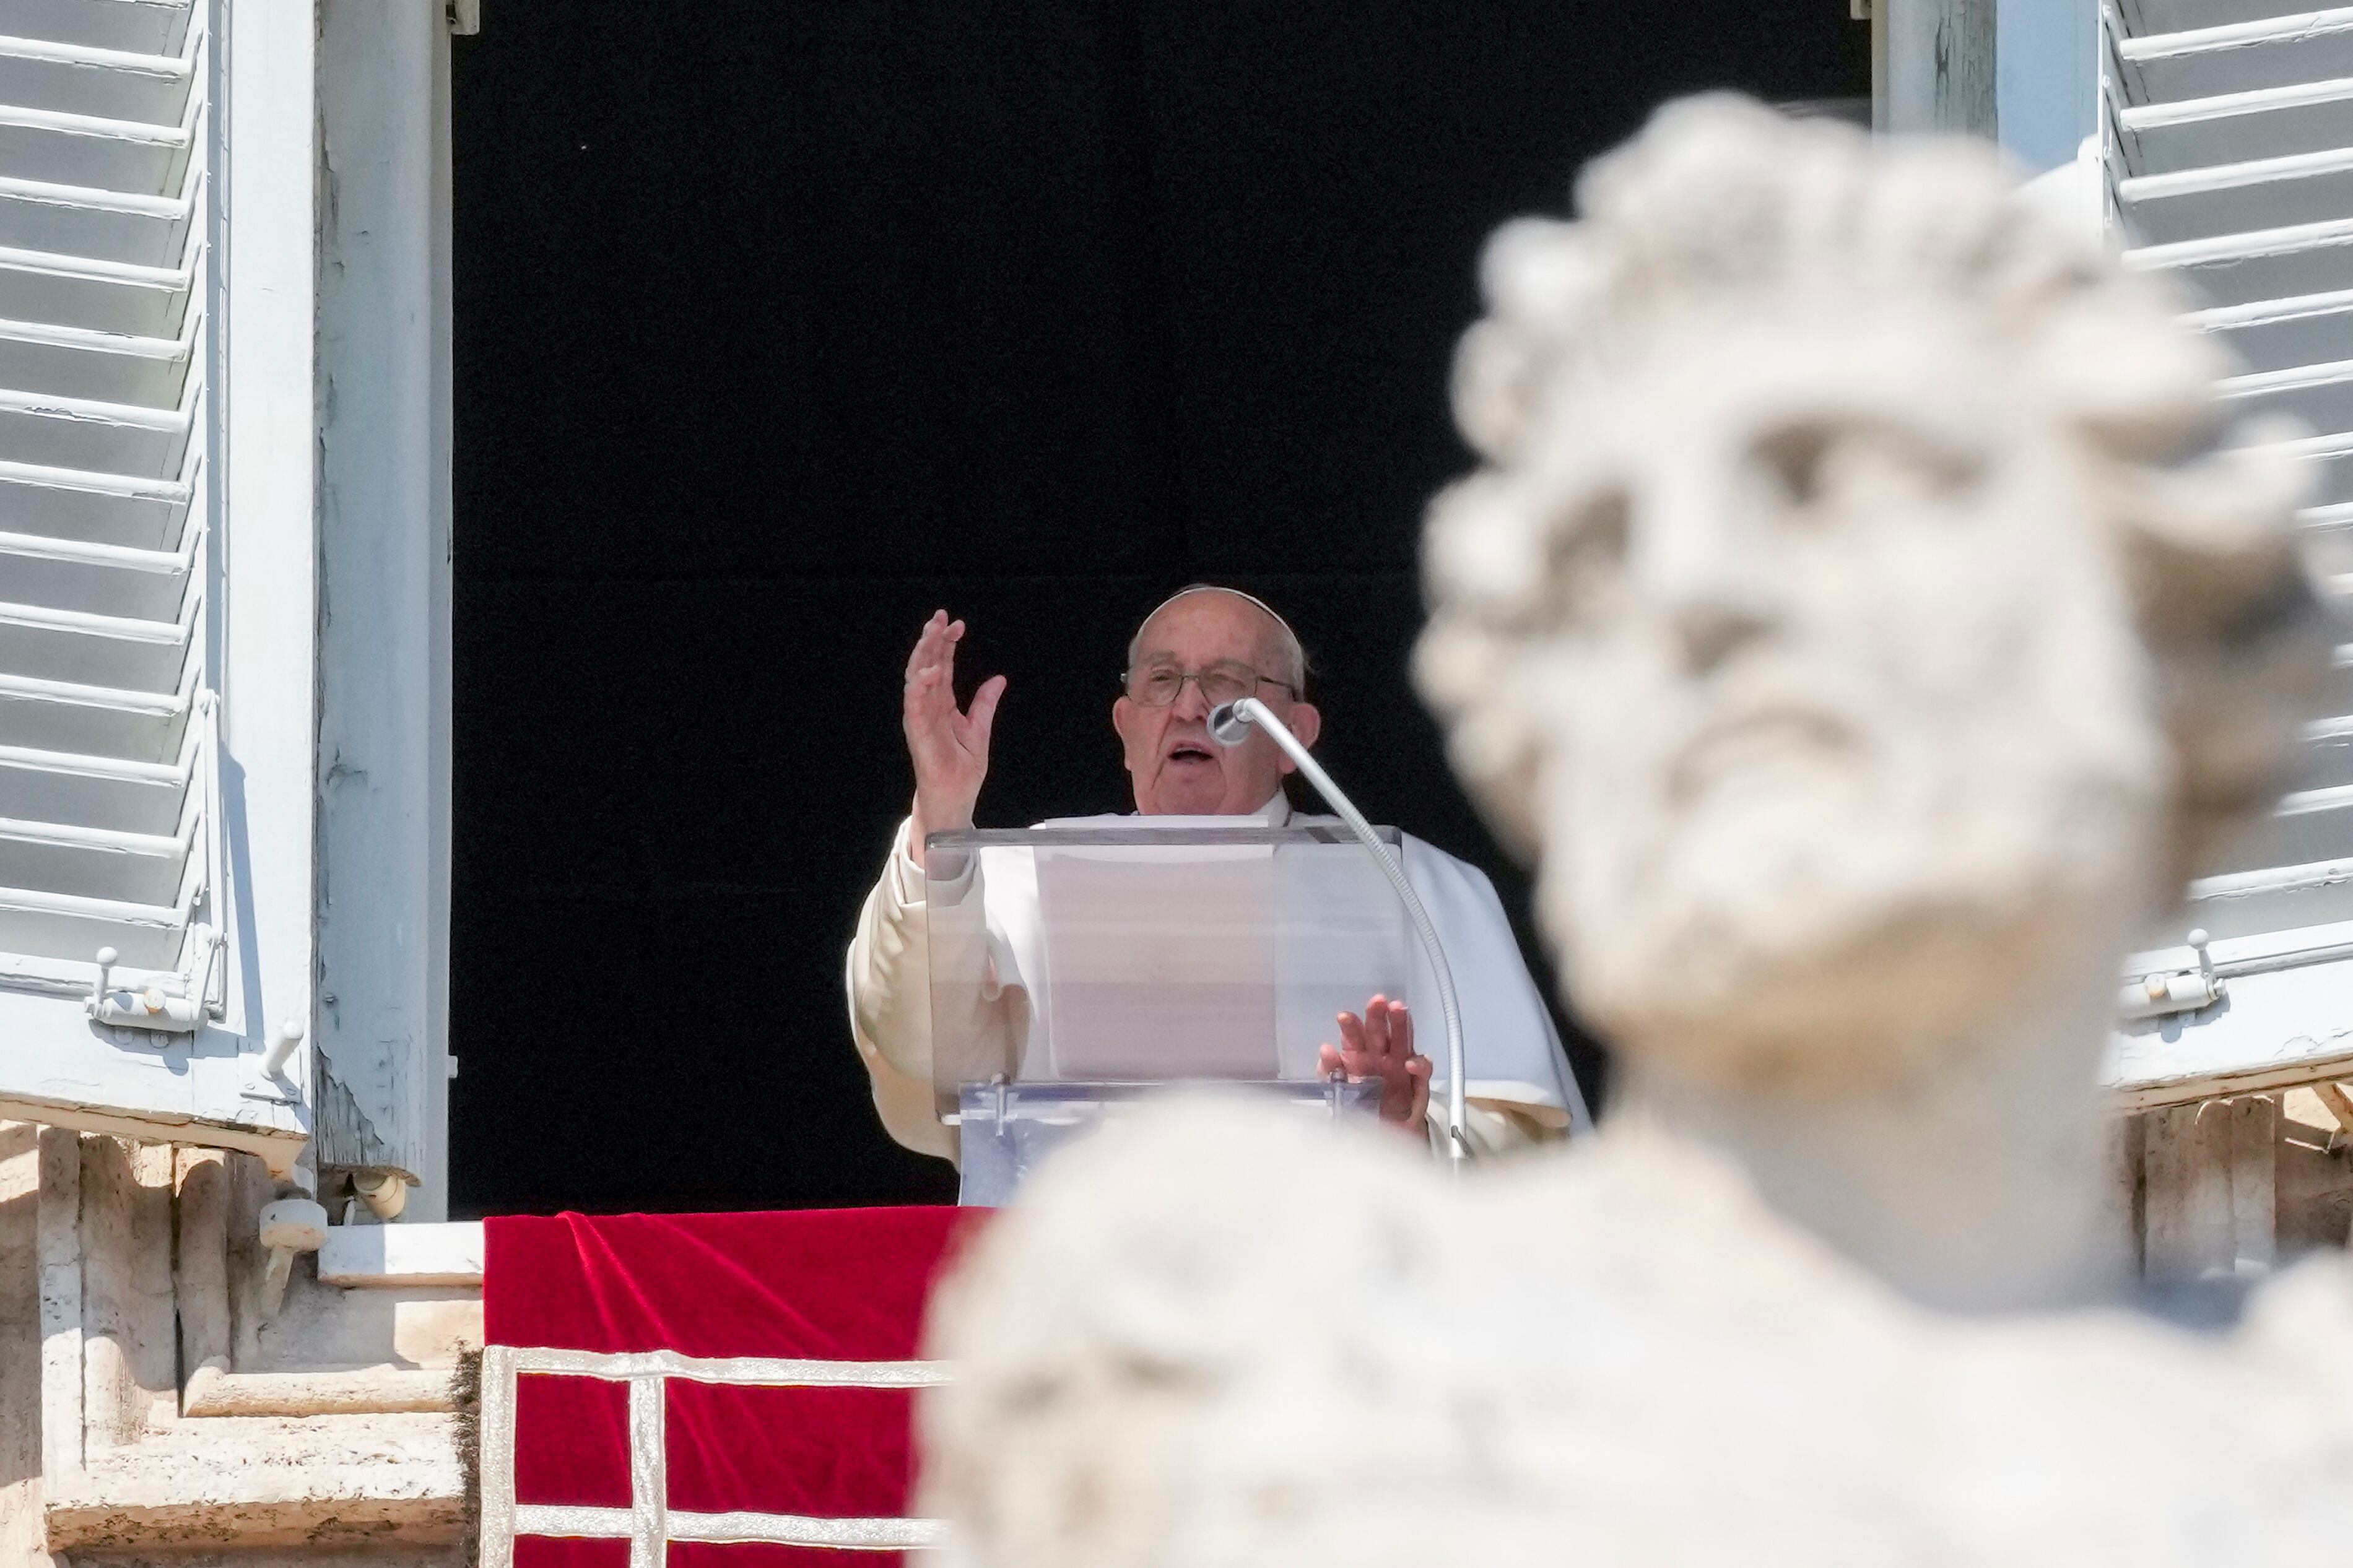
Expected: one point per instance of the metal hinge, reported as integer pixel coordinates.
(2169, 991)
(465, 16)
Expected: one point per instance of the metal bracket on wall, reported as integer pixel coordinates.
(287, 1227)
(270, 1082)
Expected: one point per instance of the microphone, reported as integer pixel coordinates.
(1229, 725)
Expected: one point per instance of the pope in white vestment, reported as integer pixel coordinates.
(1201, 643)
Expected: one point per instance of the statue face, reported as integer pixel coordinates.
(1845, 733)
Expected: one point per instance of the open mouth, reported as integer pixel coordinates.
(1190, 754)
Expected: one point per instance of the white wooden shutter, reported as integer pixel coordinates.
(124, 825)
(383, 763)
(2226, 151)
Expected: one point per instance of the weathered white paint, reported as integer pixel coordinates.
(431, 1201)
(266, 488)
(384, 563)
(2237, 127)
(184, 323)
(2276, 1027)
(112, 406)
(2237, 56)
(1876, 13)
(2226, 165)
(61, 1072)
(1939, 70)
(410, 1254)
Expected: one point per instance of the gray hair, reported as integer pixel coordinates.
(1294, 670)
(1719, 199)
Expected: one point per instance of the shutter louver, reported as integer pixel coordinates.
(106, 700)
(2226, 146)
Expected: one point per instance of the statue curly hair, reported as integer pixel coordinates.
(1721, 202)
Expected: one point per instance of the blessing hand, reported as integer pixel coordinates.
(1380, 1046)
(948, 746)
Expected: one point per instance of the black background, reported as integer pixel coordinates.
(779, 324)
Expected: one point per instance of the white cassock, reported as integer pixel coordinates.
(1517, 1079)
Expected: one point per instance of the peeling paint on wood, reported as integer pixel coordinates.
(383, 506)
(1940, 66)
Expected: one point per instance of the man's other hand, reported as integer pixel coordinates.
(948, 746)
(1380, 1044)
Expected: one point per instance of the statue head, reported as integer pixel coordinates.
(1857, 609)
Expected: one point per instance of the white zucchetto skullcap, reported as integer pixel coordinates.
(1290, 643)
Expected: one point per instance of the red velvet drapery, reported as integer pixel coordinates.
(833, 1284)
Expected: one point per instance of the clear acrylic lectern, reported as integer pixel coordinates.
(1074, 969)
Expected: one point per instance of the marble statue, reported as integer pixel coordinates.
(1866, 621)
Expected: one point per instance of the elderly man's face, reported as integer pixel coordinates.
(1842, 713)
(1175, 768)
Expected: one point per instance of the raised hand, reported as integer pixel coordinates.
(1380, 1044)
(949, 747)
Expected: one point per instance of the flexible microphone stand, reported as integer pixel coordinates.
(1230, 724)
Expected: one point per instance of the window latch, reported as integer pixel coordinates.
(2165, 992)
(162, 1004)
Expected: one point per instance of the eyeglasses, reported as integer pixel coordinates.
(1159, 685)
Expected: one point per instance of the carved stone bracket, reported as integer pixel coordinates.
(175, 1412)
